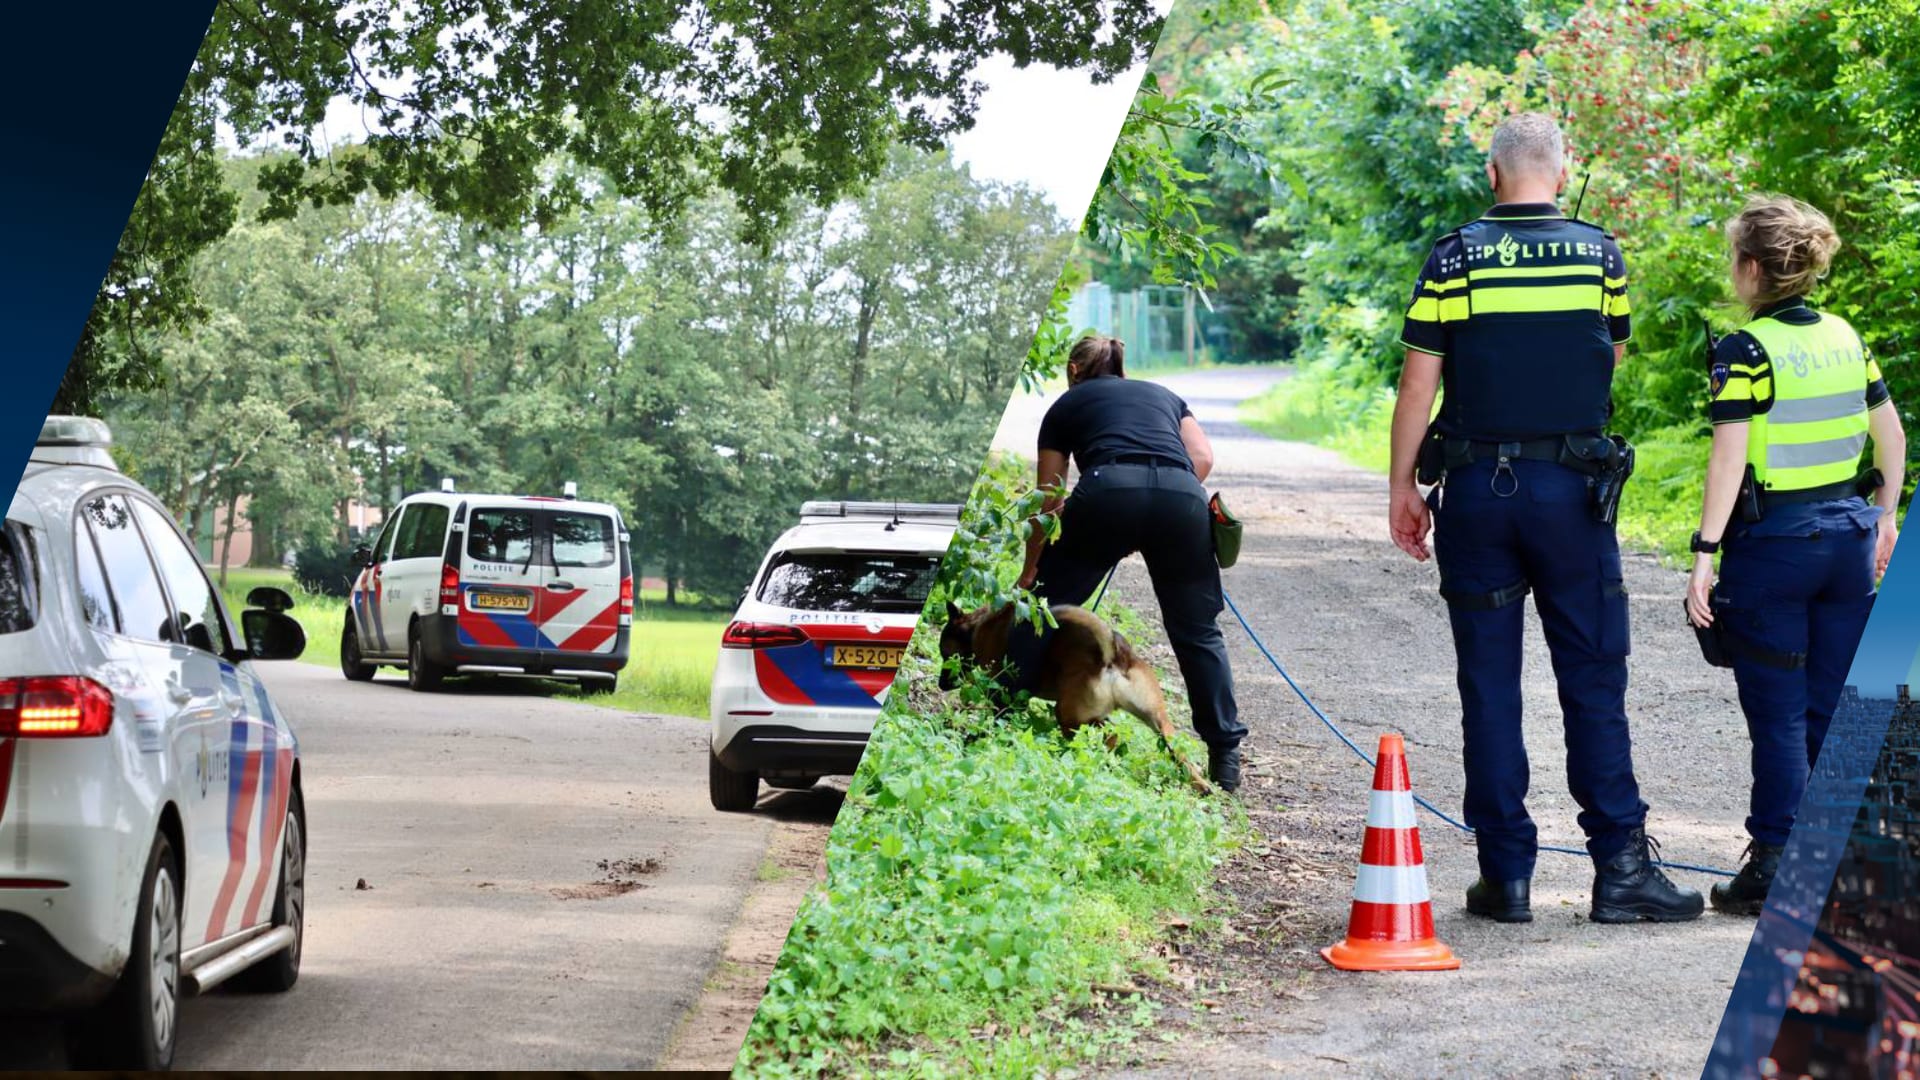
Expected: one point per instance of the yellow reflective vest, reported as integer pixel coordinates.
(1805, 391)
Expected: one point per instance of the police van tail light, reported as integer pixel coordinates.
(626, 599)
(54, 707)
(449, 585)
(754, 635)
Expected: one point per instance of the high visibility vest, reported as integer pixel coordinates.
(1815, 430)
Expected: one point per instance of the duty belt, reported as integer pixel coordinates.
(1144, 459)
(1845, 489)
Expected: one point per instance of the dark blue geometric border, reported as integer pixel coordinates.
(89, 88)
(1820, 833)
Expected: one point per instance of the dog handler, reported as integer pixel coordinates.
(1795, 396)
(1142, 457)
(1522, 316)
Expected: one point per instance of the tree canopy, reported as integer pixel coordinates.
(465, 104)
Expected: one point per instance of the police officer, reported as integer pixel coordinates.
(1521, 316)
(1142, 457)
(1795, 396)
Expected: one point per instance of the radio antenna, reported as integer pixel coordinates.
(1583, 194)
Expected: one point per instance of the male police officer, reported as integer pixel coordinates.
(1522, 316)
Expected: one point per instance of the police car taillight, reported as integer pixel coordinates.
(754, 635)
(54, 707)
(449, 584)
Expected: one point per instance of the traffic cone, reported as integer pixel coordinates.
(1391, 928)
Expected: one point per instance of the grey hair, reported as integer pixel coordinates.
(1528, 142)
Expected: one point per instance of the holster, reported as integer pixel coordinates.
(1430, 466)
(1751, 503)
(1609, 459)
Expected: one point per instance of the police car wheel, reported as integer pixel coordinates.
(731, 792)
(422, 674)
(352, 664)
(134, 1028)
(277, 973)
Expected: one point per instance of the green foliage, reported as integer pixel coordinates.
(325, 569)
(776, 104)
(370, 349)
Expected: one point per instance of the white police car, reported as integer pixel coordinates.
(461, 584)
(808, 658)
(152, 836)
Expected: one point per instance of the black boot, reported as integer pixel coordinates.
(1223, 767)
(1746, 894)
(1629, 887)
(1501, 901)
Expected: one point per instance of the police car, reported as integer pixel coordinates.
(522, 585)
(809, 656)
(152, 836)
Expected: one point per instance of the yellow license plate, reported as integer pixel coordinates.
(867, 656)
(499, 601)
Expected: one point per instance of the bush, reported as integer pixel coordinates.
(324, 568)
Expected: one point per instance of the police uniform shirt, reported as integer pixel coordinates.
(1742, 388)
(1524, 307)
(1108, 417)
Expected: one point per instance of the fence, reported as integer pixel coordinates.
(1163, 325)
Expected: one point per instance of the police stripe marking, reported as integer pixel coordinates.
(1391, 885)
(1822, 452)
(1809, 410)
(1390, 810)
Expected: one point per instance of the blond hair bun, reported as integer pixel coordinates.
(1792, 243)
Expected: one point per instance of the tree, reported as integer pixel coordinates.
(780, 103)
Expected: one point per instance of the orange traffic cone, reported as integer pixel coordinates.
(1391, 928)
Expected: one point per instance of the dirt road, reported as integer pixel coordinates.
(1363, 629)
(546, 884)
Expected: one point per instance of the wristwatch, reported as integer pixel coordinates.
(1704, 547)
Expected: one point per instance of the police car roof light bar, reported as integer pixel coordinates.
(570, 490)
(446, 484)
(74, 431)
(886, 511)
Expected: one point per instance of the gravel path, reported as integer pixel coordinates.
(1364, 631)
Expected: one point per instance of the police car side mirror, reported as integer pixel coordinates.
(272, 635)
(269, 598)
(363, 556)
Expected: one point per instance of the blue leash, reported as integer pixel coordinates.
(1362, 754)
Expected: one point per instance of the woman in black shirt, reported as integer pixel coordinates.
(1142, 457)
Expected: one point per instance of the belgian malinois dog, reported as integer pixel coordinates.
(1086, 669)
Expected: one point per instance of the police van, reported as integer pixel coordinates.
(810, 655)
(152, 833)
(525, 585)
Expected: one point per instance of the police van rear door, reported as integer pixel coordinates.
(501, 575)
(580, 604)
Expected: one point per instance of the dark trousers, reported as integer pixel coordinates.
(1809, 595)
(1534, 528)
(1160, 512)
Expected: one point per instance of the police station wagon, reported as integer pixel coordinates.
(809, 657)
(152, 834)
(522, 585)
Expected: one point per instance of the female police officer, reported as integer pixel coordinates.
(1141, 456)
(1795, 396)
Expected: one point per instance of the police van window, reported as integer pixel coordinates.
(384, 542)
(500, 535)
(96, 600)
(17, 579)
(130, 573)
(199, 622)
(584, 540)
(422, 533)
(849, 581)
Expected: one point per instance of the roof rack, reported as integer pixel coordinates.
(896, 512)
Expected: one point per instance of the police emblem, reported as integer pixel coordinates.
(1718, 378)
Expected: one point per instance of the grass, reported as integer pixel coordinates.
(1658, 511)
(984, 877)
(671, 656)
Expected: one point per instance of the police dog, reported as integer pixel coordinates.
(1086, 669)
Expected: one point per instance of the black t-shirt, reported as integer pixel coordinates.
(1109, 417)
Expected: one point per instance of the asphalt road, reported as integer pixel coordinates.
(489, 935)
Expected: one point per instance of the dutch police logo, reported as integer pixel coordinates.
(1718, 378)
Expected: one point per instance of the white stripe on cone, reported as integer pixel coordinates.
(1390, 810)
(1391, 885)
